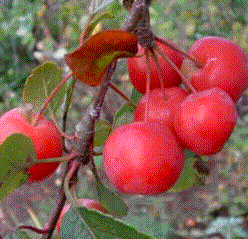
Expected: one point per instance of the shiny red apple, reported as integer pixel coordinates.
(46, 139)
(205, 120)
(143, 158)
(224, 66)
(160, 109)
(137, 69)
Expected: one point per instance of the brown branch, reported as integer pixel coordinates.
(85, 128)
(58, 206)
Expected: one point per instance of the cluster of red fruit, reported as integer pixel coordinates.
(146, 156)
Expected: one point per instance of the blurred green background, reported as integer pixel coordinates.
(35, 31)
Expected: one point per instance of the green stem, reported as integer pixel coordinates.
(54, 117)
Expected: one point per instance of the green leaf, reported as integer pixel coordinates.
(148, 224)
(102, 131)
(123, 116)
(98, 161)
(14, 152)
(188, 154)
(18, 235)
(188, 177)
(109, 200)
(135, 96)
(102, 225)
(13, 181)
(44, 78)
(97, 5)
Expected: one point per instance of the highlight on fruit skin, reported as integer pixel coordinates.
(143, 158)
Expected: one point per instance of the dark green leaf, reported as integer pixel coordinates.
(123, 116)
(14, 152)
(102, 131)
(109, 200)
(188, 176)
(14, 180)
(18, 235)
(148, 224)
(135, 96)
(102, 225)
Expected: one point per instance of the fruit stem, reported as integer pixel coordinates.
(184, 79)
(194, 60)
(34, 229)
(53, 160)
(37, 117)
(148, 83)
(122, 94)
(159, 73)
(68, 100)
